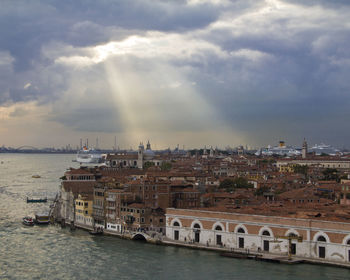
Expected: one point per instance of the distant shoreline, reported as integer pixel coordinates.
(37, 152)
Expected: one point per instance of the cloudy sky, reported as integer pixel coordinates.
(188, 72)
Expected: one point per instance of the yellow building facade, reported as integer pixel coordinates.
(83, 212)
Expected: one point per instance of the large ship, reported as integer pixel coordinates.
(281, 150)
(86, 155)
(323, 149)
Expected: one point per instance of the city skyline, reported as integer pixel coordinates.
(193, 73)
(88, 143)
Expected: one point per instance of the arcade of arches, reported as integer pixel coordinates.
(258, 233)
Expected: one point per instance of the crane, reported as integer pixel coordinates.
(289, 238)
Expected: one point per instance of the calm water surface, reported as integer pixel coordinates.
(54, 253)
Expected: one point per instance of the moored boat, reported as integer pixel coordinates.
(42, 219)
(96, 231)
(28, 221)
(36, 200)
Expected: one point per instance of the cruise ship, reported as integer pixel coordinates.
(281, 150)
(324, 149)
(86, 155)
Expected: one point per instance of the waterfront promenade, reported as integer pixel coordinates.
(237, 253)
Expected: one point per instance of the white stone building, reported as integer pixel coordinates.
(322, 240)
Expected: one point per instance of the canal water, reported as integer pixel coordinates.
(49, 252)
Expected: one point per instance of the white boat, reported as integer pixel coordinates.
(28, 221)
(324, 149)
(282, 151)
(42, 218)
(86, 155)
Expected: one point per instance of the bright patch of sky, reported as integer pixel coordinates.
(195, 72)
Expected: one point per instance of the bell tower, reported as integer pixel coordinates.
(304, 149)
(140, 156)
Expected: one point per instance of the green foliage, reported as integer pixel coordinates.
(301, 169)
(260, 191)
(165, 166)
(242, 182)
(227, 184)
(63, 178)
(267, 161)
(148, 164)
(232, 184)
(330, 174)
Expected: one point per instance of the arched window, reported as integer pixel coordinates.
(321, 239)
(197, 226)
(348, 242)
(218, 228)
(292, 235)
(241, 230)
(266, 233)
(176, 224)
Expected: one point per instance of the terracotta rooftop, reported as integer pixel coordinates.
(328, 211)
(136, 205)
(79, 171)
(79, 187)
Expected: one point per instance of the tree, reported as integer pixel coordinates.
(242, 182)
(301, 169)
(227, 184)
(260, 191)
(231, 184)
(330, 174)
(148, 164)
(165, 166)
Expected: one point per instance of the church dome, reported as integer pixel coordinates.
(148, 153)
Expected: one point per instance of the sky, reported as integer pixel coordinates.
(188, 72)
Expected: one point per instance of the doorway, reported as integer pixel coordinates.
(176, 234)
(196, 236)
(321, 252)
(240, 242)
(293, 249)
(218, 239)
(266, 245)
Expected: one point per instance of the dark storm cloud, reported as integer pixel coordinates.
(326, 3)
(269, 67)
(27, 27)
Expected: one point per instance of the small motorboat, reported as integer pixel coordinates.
(42, 219)
(96, 231)
(36, 176)
(28, 221)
